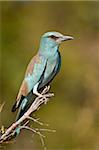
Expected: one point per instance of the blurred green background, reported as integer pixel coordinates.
(74, 111)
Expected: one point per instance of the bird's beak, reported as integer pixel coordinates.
(65, 38)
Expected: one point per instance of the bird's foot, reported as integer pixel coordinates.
(44, 95)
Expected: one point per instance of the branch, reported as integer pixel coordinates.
(1, 107)
(34, 106)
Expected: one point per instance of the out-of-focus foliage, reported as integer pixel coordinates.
(74, 111)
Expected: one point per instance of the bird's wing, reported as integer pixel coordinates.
(24, 89)
(30, 67)
(53, 73)
(33, 73)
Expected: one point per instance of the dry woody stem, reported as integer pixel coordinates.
(34, 106)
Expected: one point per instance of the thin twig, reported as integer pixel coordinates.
(1, 106)
(47, 130)
(35, 120)
(33, 130)
(35, 105)
(42, 142)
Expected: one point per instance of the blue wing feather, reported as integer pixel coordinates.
(53, 73)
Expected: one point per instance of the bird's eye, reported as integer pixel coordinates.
(53, 37)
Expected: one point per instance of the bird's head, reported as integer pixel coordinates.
(52, 40)
(55, 38)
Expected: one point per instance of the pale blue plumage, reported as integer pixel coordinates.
(37, 72)
(41, 70)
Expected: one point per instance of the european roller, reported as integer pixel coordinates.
(41, 70)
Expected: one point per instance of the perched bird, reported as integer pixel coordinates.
(41, 70)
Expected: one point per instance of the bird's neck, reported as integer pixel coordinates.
(48, 52)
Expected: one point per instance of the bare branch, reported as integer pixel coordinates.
(1, 106)
(35, 120)
(35, 105)
(48, 130)
(33, 130)
(42, 142)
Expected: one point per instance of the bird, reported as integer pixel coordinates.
(41, 70)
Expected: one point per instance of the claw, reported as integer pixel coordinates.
(46, 89)
(45, 97)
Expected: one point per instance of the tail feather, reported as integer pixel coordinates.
(14, 107)
(25, 104)
(17, 104)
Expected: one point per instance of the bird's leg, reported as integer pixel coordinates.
(46, 94)
(35, 91)
(43, 95)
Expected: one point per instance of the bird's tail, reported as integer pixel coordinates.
(17, 104)
(25, 104)
(22, 107)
